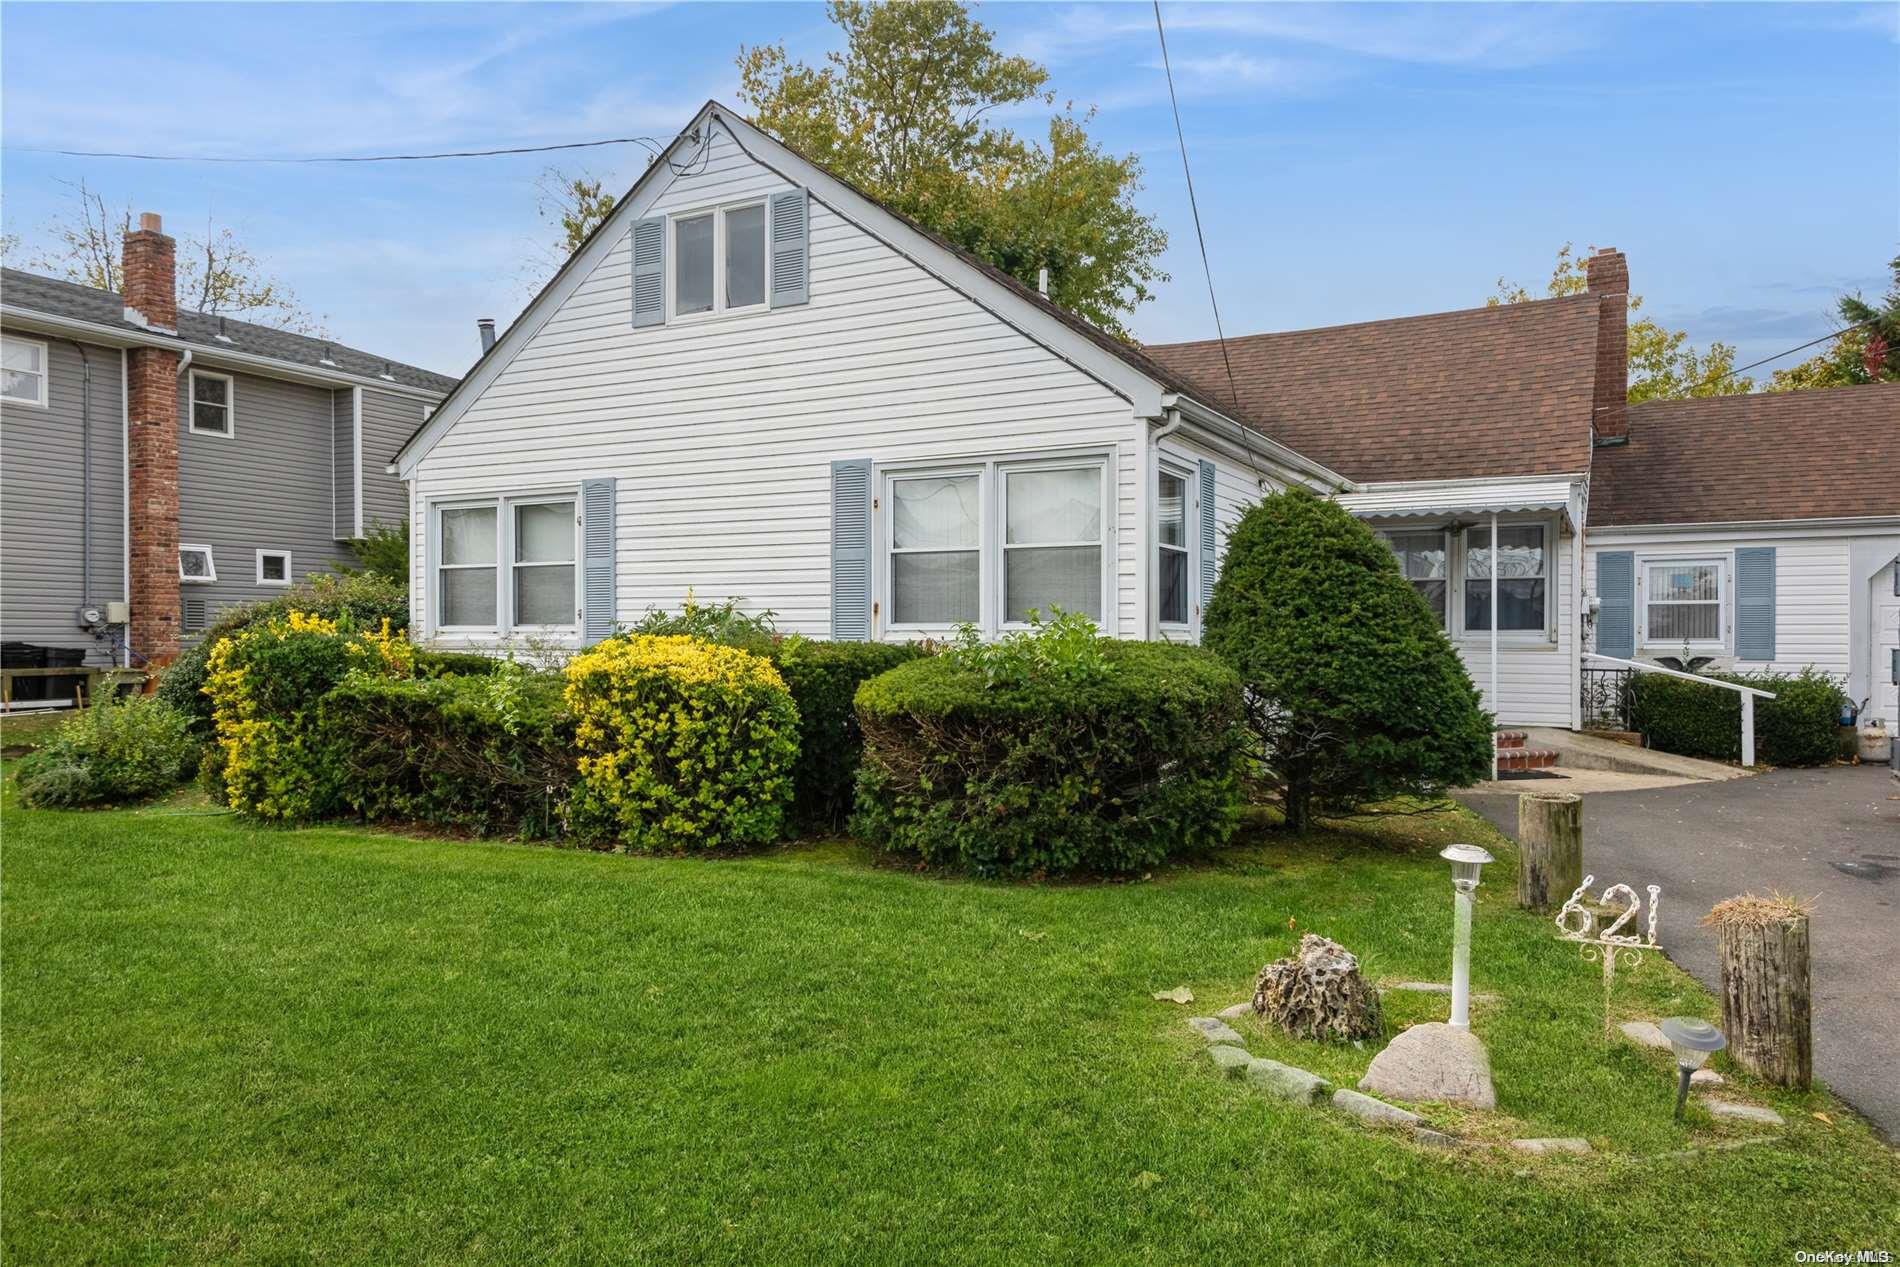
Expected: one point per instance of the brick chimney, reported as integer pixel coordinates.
(1608, 276)
(152, 416)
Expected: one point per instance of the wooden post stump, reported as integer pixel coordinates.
(1549, 849)
(1766, 1012)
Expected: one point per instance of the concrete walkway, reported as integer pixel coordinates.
(1831, 834)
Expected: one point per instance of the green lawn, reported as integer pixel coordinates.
(232, 1044)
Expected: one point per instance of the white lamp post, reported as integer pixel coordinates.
(1466, 861)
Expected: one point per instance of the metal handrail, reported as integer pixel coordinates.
(1749, 694)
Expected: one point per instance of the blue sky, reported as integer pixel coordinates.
(1352, 162)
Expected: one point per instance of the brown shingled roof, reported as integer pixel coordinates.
(1829, 453)
(1450, 395)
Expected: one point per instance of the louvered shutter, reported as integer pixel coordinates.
(851, 550)
(649, 272)
(791, 248)
(1208, 564)
(1755, 603)
(1616, 593)
(599, 534)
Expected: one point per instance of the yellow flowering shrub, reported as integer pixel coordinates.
(683, 744)
(265, 682)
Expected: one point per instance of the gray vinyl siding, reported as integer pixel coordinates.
(388, 422)
(343, 463)
(264, 487)
(41, 521)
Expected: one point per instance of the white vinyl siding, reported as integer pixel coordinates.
(721, 433)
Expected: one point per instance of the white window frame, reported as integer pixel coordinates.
(1551, 579)
(230, 405)
(211, 565)
(1724, 576)
(273, 554)
(719, 212)
(993, 524)
(1000, 472)
(504, 566)
(1454, 567)
(44, 373)
(1190, 530)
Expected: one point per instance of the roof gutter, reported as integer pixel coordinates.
(1224, 430)
(120, 337)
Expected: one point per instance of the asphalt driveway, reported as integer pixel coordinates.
(1832, 834)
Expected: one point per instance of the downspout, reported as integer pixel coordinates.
(1497, 709)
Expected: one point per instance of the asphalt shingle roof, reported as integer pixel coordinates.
(102, 307)
(1829, 453)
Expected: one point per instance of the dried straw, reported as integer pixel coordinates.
(1750, 911)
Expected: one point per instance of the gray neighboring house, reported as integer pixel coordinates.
(157, 466)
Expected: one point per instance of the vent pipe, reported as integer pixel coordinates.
(1042, 282)
(486, 327)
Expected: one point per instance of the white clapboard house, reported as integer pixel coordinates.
(753, 380)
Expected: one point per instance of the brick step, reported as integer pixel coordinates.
(1524, 760)
(1511, 739)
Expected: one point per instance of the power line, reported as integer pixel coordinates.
(649, 143)
(1201, 238)
(1790, 352)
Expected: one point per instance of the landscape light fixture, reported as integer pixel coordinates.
(1694, 1042)
(1466, 862)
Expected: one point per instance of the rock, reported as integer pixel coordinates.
(1318, 993)
(1433, 1062)
(1286, 1082)
(1706, 1078)
(1367, 1109)
(1744, 1112)
(1541, 1147)
(1235, 1012)
(1434, 1139)
(1229, 1060)
(1645, 1033)
(1215, 1031)
(1180, 994)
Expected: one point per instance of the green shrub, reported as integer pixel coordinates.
(366, 600)
(493, 752)
(116, 750)
(1355, 694)
(433, 663)
(382, 551)
(1799, 727)
(265, 684)
(1103, 770)
(683, 744)
(823, 678)
(722, 623)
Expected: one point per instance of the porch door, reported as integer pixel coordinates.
(1886, 695)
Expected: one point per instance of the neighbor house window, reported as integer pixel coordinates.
(273, 567)
(1682, 602)
(465, 567)
(1425, 558)
(1052, 541)
(195, 565)
(936, 550)
(212, 400)
(543, 564)
(719, 260)
(23, 371)
(1523, 578)
(1171, 545)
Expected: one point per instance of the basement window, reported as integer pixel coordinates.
(273, 567)
(23, 372)
(213, 399)
(196, 566)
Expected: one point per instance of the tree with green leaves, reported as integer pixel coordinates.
(1867, 350)
(1663, 364)
(1354, 693)
(906, 112)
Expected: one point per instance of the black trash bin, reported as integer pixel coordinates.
(24, 655)
(64, 688)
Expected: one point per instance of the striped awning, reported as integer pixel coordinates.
(1432, 499)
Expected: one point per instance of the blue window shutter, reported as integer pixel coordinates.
(1616, 593)
(791, 248)
(599, 509)
(851, 550)
(649, 271)
(1755, 603)
(1207, 533)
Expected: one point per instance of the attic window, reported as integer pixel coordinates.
(212, 402)
(719, 260)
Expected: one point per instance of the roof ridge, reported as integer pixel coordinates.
(1474, 310)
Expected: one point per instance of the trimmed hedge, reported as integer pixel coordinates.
(113, 751)
(433, 663)
(823, 678)
(493, 752)
(1799, 727)
(683, 744)
(1110, 767)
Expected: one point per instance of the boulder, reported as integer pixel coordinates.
(1433, 1062)
(1286, 1082)
(1318, 993)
